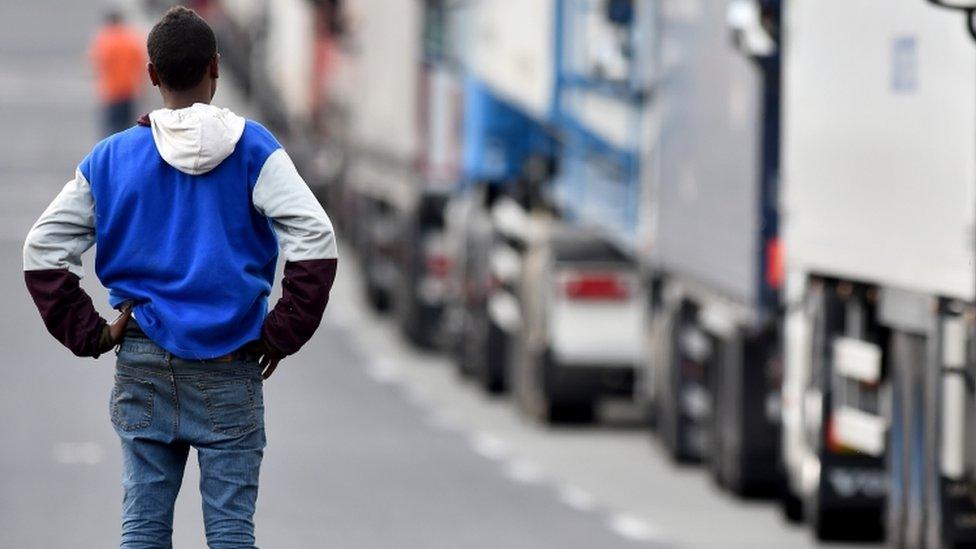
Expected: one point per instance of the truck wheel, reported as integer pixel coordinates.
(679, 433)
(474, 344)
(720, 460)
(378, 298)
(791, 505)
(536, 400)
(560, 413)
(492, 374)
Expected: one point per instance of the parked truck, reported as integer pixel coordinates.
(286, 56)
(543, 303)
(879, 189)
(714, 368)
(580, 291)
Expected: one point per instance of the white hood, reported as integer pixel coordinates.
(194, 140)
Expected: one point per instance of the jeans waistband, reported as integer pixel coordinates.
(143, 346)
(139, 352)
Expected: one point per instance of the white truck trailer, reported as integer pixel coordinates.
(878, 203)
(285, 55)
(714, 372)
(383, 105)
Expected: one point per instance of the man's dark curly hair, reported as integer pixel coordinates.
(181, 46)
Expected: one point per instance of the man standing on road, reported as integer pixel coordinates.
(188, 210)
(118, 59)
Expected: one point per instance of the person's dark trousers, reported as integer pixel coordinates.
(118, 115)
(161, 406)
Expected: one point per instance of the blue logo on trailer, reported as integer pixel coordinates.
(904, 65)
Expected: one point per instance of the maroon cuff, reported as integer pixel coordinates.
(305, 293)
(66, 309)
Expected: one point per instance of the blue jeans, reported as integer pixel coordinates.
(161, 406)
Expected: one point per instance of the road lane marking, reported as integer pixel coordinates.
(523, 471)
(577, 498)
(633, 528)
(78, 453)
(489, 446)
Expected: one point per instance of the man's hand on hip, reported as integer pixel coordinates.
(112, 333)
(268, 356)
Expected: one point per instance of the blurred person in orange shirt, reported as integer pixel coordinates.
(117, 54)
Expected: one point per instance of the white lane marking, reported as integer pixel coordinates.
(489, 446)
(633, 528)
(523, 471)
(78, 453)
(577, 498)
(384, 371)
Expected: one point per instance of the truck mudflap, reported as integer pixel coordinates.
(957, 527)
(845, 404)
(850, 497)
(745, 428)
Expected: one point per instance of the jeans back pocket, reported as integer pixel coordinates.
(230, 405)
(132, 403)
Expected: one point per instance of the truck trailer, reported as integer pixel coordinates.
(878, 209)
(714, 368)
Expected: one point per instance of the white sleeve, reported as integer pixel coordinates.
(64, 231)
(303, 228)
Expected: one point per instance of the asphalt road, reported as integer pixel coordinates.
(371, 444)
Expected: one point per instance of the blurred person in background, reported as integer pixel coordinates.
(191, 205)
(117, 55)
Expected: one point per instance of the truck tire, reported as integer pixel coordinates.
(492, 372)
(675, 427)
(474, 341)
(791, 505)
(537, 402)
(378, 298)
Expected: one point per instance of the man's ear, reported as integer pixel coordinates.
(215, 66)
(153, 76)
